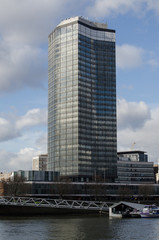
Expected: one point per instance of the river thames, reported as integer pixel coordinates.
(77, 228)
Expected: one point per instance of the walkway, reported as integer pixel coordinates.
(55, 203)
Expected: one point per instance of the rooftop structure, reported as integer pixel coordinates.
(136, 156)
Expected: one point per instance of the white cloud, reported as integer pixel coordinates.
(102, 8)
(21, 66)
(41, 142)
(129, 56)
(29, 21)
(153, 5)
(32, 118)
(139, 124)
(14, 126)
(24, 131)
(24, 29)
(107, 8)
(128, 87)
(153, 62)
(7, 130)
(132, 115)
(4, 159)
(21, 160)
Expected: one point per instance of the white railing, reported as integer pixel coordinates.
(55, 203)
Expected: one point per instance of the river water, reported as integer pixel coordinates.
(77, 228)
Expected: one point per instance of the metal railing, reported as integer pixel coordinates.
(55, 203)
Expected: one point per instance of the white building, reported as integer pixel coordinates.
(5, 176)
(39, 163)
(157, 174)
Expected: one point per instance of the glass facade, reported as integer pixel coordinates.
(82, 100)
(135, 172)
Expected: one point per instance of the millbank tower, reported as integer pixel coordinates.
(82, 142)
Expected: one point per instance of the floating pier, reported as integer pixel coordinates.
(34, 206)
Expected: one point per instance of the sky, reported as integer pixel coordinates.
(24, 29)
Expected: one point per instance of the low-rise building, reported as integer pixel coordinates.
(133, 167)
(43, 176)
(5, 176)
(157, 174)
(155, 168)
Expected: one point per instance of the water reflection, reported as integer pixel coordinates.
(135, 229)
(55, 228)
(77, 228)
(81, 228)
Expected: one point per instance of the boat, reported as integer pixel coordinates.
(150, 211)
(135, 213)
(131, 214)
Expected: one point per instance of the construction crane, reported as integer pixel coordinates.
(132, 146)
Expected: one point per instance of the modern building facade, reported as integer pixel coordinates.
(41, 176)
(82, 101)
(135, 172)
(133, 167)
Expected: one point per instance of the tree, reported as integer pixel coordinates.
(146, 191)
(97, 190)
(125, 192)
(15, 186)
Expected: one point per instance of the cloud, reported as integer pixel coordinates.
(20, 157)
(106, 8)
(28, 21)
(128, 87)
(21, 66)
(132, 115)
(28, 130)
(153, 62)
(21, 160)
(14, 126)
(24, 29)
(102, 8)
(137, 123)
(33, 117)
(7, 130)
(4, 158)
(153, 5)
(129, 56)
(41, 141)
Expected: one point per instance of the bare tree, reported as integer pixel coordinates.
(125, 192)
(146, 191)
(64, 188)
(15, 186)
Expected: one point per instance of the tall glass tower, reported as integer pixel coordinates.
(82, 140)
